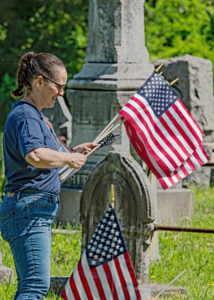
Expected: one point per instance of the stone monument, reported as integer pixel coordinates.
(133, 204)
(117, 64)
(6, 273)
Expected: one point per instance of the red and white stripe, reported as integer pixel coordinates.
(192, 163)
(171, 138)
(112, 280)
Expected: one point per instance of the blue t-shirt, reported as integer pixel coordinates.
(25, 130)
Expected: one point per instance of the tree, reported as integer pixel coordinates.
(178, 27)
(58, 27)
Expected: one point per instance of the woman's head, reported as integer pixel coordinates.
(43, 66)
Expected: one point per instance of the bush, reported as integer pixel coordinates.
(179, 27)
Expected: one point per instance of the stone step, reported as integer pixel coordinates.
(147, 291)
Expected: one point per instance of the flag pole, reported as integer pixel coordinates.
(110, 124)
(171, 282)
(158, 68)
(173, 82)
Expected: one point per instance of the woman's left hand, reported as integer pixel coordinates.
(84, 148)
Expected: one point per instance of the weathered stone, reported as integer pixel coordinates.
(6, 274)
(60, 116)
(117, 64)
(155, 289)
(57, 284)
(134, 206)
(194, 88)
(117, 58)
(175, 205)
(69, 211)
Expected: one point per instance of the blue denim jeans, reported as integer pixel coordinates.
(25, 222)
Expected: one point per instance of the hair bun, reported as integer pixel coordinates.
(26, 59)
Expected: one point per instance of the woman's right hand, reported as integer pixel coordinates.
(77, 160)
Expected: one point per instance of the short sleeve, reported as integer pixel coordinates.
(30, 136)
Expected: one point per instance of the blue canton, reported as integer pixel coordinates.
(158, 94)
(107, 241)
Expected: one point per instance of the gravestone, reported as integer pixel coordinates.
(117, 64)
(134, 206)
(195, 89)
(6, 273)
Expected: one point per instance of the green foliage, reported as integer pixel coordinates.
(6, 101)
(58, 27)
(179, 27)
(2, 178)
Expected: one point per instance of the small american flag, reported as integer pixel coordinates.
(105, 270)
(163, 132)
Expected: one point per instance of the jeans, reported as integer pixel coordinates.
(25, 222)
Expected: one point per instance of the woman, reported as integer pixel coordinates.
(32, 157)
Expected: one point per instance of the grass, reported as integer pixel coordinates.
(191, 251)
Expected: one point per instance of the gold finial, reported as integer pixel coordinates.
(112, 198)
(158, 68)
(173, 82)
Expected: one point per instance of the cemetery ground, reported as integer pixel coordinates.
(191, 251)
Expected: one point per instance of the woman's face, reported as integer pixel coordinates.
(49, 90)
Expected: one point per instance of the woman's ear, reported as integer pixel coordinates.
(39, 81)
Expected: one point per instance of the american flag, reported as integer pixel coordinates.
(163, 132)
(105, 270)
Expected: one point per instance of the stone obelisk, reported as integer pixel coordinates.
(117, 64)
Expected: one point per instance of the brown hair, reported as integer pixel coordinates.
(30, 66)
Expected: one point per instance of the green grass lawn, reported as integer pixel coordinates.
(191, 251)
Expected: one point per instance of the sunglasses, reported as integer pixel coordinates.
(58, 86)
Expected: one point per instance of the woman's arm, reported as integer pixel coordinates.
(48, 158)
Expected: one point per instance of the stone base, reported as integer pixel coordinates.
(6, 274)
(150, 290)
(147, 291)
(69, 211)
(173, 205)
(57, 284)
